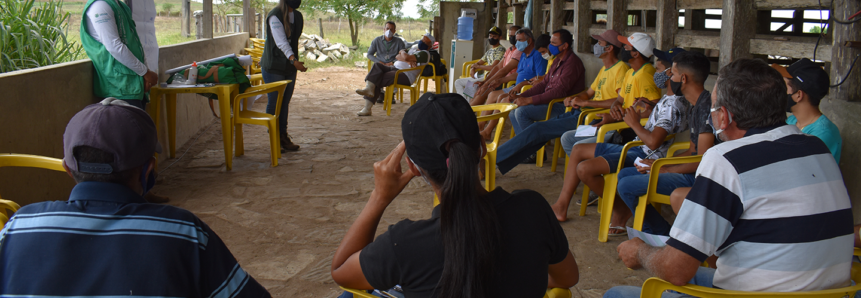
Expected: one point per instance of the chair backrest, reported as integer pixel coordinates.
(503, 108)
(261, 89)
(27, 161)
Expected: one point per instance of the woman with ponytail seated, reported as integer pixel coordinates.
(476, 243)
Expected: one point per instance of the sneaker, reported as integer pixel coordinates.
(530, 159)
(593, 198)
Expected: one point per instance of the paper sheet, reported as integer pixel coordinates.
(639, 162)
(650, 239)
(470, 90)
(586, 131)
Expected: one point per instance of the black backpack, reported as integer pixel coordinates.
(436, 60)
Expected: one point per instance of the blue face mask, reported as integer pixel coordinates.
(423, 46)
(661, 78)
(521, 46)
(554, 50)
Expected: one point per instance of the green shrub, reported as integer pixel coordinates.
(167, 7)
(34, 36)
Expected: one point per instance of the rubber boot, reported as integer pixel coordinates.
(368, 91)
(366, 111)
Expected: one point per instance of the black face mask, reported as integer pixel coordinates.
(789, 103)
(626, 56)
(293, 3)
(493, 41)
(676, 87)
(512, 39)
(423, 46)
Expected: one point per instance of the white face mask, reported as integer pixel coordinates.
(546, 56)
(389, 33)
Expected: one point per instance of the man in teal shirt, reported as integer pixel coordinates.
(807, 84)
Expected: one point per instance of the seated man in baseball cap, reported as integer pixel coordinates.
(106, 240)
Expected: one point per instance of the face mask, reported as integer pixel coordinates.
(661, 78)
(554, 50)
(147, 181)
(676, 87)
(421, 172)
(512, 39)
(389, 34)
(790, 102)
(626, 56)
(294, 3)
(546, 56)
(522, 45)
(711, 123)
(493, 41)
(423, 46)
(598, 50)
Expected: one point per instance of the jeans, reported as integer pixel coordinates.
(383, 76)
(526, 115)
(526, 142)
(613, 152)
(704, 277)
(285, 101)
(632, 185)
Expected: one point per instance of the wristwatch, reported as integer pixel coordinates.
(292, 61)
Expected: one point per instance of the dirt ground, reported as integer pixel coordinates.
(283, 224)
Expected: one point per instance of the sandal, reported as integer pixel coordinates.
(623, 233)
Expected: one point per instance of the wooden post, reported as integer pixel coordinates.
(842, 53)
(667, 24)
(617, 15)
(339, 25)
(501, 15)
(735, 34)
(582, 24)
(320, 24)
(185, 19)
(537, 17)
(207, 18)
(246, 16)
(518, 15)
(557, 15)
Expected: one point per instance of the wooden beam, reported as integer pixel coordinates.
(501, 15)
(667, 24)
(519, 14)
(557, 15)
(795, 47)
(598, 5)
(185, 20)
(759, 4)
(617, 15)
(582, 25)
(207, 18)
(643, 5)
(842, 57)
(697, 39)
(597, 29)
(537, 18)
(735, 33)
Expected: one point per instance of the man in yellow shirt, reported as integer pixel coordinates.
(602, 93)
(588, 162)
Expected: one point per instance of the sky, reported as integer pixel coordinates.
(410, 9)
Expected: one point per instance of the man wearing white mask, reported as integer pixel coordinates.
(384, 48)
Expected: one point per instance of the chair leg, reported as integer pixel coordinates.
(239, 147)
(607, 207)
(584, 200)
(273, 143)
(539, 157)
(557, 147)
(640, 212)
(387, 101)
(490, 175)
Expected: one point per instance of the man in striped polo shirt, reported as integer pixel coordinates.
(769, 202)
(106, 240)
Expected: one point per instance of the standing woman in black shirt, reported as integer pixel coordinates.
(476, 244)
(280, 59)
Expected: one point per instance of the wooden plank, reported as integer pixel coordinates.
(643, 5)
(842, 57)
(795, 48)
(759, 4)
(207, 18)
(519, 14)
(597, 29)
(537, 20)
(697, 39)
(667, 24)
(598, 5)
(698, 4)
(735, 33)
(617, 15)
(502, 15)
(582, 25)
(557, 15)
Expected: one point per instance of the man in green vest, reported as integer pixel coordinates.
(111, 41)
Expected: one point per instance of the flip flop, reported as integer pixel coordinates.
(623, 233)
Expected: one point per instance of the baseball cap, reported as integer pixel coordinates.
(641, 42)
(668, 55)
(433, 121)
(810, 78)
(429, 36)
(122, 130)
(610, 36)
(494, 30)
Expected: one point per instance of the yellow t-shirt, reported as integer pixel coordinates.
(640, 83)
(609, 80)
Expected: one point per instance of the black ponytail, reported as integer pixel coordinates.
(468, 226)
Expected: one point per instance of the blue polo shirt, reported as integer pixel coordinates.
(530, 66)
(107, 240)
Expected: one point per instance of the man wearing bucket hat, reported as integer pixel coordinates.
(106, 240)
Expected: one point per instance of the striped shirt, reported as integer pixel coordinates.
(107, 240)
(772, 205)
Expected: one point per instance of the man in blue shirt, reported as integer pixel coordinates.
(106, 240)
(807, 84)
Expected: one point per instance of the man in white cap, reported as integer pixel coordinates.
(382, 76)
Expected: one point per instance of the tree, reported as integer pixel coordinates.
(357, 11)
(167, 7)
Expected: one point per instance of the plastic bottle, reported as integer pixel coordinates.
(192, 74)
(464, 28)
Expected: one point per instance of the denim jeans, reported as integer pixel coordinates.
(526, 142)
(285, 101)
(632, 185)
(704, 277)
(526, 115)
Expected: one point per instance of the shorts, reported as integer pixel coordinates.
(613, 152)
(506, 90)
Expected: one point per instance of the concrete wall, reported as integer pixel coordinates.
(36, 105)
(847, 116)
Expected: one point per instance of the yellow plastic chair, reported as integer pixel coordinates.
(490, 157)
(256, 79)
(257, 118)
(654, 287)
(551, 293)
(539, 161)
(652, 196)
(257, 42)
(370, 64)
(7, 208)
(557, 147)
(440, 81)
(602, 132)
(414, 89)
(522, 89)
(464, 72)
